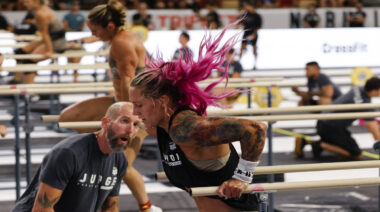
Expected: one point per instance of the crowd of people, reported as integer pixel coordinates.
(74, 20)
(189, 4)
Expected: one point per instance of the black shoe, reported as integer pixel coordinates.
(317, 149)
(298, 149)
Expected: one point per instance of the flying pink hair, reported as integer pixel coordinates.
(183, 74)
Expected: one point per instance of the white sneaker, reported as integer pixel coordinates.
(154, 208)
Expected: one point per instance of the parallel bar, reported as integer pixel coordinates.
(14, 45)
(50, 118)
(323, 116)
(78, 53)
(75, 66)
(20, 37)
(305, 167)
(315, 108)
(56, 85)
(258, 79)
(257, 84)
(56, 90)
(95, 124)
(68, 66)
(291, 186)
(79, 124)
(108, 89)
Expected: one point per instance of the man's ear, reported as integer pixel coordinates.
(104, 122)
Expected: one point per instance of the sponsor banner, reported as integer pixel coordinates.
(290, 48)
(277, 48)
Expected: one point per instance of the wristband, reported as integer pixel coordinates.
(145, 206)
(244, 170)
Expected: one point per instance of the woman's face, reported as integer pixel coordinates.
(148, 110)
(99, 31)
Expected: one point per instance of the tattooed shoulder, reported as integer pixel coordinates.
(182, 126)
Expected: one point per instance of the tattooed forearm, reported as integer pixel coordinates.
(225, 131)
(108, 204)
(206, 132)
(45, 202)
(252, 142)
(215, 131)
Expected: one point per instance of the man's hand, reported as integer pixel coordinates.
(231, 189)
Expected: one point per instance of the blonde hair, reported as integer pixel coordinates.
(114, 12)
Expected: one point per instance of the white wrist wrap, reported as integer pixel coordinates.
(244, 170)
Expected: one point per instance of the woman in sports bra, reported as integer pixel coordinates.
(52, 37)
(196, 150)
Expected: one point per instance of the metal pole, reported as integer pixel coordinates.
(270, 151)
(95, 75)
(51, 103)
(17, 145)
(28, 129)
(376, 146)
(249, 98)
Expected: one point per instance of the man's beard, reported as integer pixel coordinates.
(113, 140)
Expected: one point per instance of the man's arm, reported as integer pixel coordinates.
(111, 204)
(326, 94)
(126, 59)
(47, 196)
(373, 128)
(326, 91)
(303, 94)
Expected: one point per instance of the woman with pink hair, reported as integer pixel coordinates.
(196, 150)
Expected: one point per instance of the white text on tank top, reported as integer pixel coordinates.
(172, 159)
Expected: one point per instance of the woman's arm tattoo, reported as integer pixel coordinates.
(219, 130)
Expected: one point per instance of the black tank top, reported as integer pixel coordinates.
(183, 174)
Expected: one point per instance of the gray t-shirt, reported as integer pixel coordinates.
(322, 80)
(234, 67)
(78, 167)
(186, 53)
(355, 96)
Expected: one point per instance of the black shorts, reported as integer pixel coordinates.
(338, 136)
(249, 41)
(311, 102)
